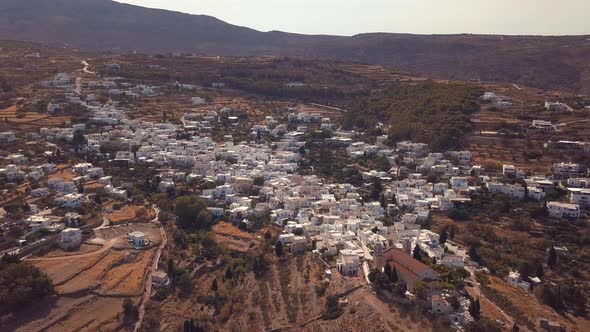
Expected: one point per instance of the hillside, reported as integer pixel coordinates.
(544, 62)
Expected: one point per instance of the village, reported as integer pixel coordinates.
(80, 195)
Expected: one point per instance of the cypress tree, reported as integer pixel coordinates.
(552, 259)
(417, 254)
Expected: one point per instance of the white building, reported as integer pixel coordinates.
(17, 158)
(463, 157)
(556, 106)
(509, 170)
(563, 210)
(567, 169)
(40, 192)
(70, 201)
(543, 125)
(459, 183)
(7, 137)
(137, 239)
(70, 238)
(512, 190)
(440, 305)
(580, 197)
(536, 193)
(348, 263)
(515, 280)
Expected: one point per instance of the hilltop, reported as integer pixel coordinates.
(104, 25)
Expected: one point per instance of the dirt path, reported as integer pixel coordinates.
(105, 222)
(495, 312)
(148, 282)
(108, 245)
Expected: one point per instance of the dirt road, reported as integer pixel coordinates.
(475, 292)
(107, 245)
(148, 282)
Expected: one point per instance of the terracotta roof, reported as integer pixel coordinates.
(405, 262)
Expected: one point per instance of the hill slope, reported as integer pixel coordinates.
(545, 62)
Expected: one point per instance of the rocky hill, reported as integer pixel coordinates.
(544, 62)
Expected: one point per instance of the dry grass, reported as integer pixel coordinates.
(530, 306)
(127, 278)
(126, 214)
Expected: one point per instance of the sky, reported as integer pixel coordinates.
(350, 17)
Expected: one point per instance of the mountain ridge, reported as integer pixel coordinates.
(548, 62)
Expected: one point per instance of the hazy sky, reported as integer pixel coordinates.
(349, 17)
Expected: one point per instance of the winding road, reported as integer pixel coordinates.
(85, 69)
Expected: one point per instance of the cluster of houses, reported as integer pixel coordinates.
(555, 106)
(247, 181)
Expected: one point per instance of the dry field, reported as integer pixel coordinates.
(125, 278)
(235, 239)
(91, 290)
(19, 121)
(284, 298)
(126, 214)
(63, 172)
(87, 313)
(92, 283)
(532, 308)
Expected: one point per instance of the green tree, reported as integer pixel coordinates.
(483, 325)
(130, 311)
(21, 284)
(192, 212)
(260, 265)
(394, 278)
(401, 288)
(214, 285)
(377, 189)
(552, 259)
(258, 181)
(540, 271)
(387, 271)
(473, 253)
(333, 309)
(78, 140)
(443, 236)
(474, 309)
(373, 275)
(171, 269)
(417, 253)
(185, 284)
(279, 248)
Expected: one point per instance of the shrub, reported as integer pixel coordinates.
(21, 284)
(333, 309)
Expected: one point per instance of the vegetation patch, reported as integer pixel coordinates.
(433, 113)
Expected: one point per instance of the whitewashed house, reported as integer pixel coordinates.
(348, 263)
(513, 190)
(40, 192)
(7, 137)
(70, 201)
(459, 183)
(580, 197)
(137, 239)
(563, 210)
